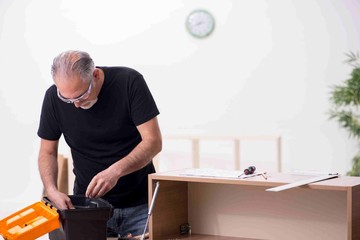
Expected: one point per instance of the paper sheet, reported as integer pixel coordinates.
(209, 172)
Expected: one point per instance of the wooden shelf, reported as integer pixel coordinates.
(229, 209)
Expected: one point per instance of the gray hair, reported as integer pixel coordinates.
(70, 63)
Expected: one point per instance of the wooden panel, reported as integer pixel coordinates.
(170, 209)
(250, 212)
(355, 210)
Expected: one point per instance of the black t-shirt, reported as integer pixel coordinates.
(105, 133)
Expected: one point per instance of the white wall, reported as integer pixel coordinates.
(266, 69)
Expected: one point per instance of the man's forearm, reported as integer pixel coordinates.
(48, 169)
(138, 158)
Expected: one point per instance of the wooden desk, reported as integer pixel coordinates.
(228, 209)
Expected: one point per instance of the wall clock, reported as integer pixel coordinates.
(200, 23)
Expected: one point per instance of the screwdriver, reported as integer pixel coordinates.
(248, 171)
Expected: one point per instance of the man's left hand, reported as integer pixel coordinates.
(102, 183)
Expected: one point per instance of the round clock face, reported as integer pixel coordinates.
(200, 23)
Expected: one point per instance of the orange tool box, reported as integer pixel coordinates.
(31, 222)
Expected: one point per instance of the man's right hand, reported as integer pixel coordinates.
(60, 200)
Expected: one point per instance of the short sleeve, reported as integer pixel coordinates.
(49, 126)
(142, 103)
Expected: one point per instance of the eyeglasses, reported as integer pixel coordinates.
(82, 97)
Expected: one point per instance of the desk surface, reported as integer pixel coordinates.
(341, 183)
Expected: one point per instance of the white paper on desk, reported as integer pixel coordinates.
(251, 175)
(210, 172)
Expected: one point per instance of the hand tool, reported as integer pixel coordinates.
(150, 209)
(249, 170)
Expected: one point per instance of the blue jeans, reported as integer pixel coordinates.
(127, 220)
